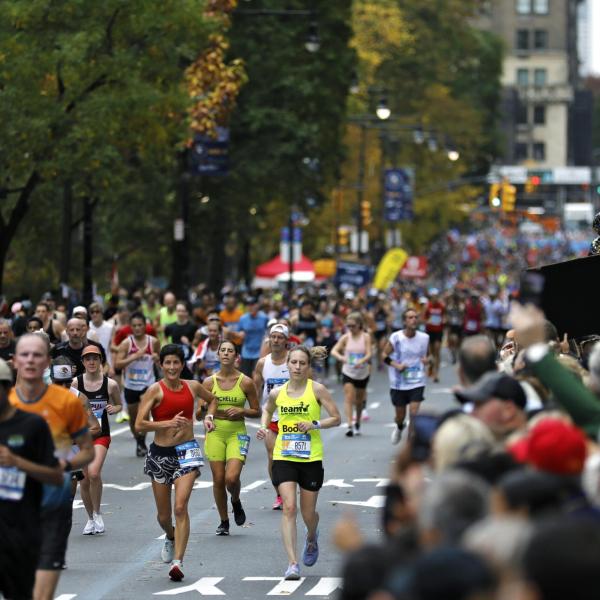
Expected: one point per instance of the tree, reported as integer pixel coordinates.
(92, 94)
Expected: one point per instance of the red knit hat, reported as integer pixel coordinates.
(553, 446)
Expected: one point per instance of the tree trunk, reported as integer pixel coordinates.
(67, 216)
(88, 244)
(9, 229)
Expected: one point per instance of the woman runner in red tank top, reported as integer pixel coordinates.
(174, 457)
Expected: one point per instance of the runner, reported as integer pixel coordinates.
(298, 453)
(406, 354)
(104, 397)
(7, 342)
(252, 327)
(137, 355)
(381, 317)
(474, 315)
(77, 341)
(174, 458)
(166, 316)
(226, 447)
(354, 351)
(67, 421)
(26, 461)
(205, 360)
(51, 326)
(434, 317)
(271, 372)
(104, 331)
(455, 318)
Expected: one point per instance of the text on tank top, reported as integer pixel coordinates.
(174, 402)
(140, 373)
(292, 444)
(98, 401)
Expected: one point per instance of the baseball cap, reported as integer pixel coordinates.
(16, 307)
(493, 385)
(80, 309)
(5, 371)
(91, 349)
(280, 328)
(554, 446)
(61, 372)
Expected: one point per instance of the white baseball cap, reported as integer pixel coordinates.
(280, 328)
(80, 309)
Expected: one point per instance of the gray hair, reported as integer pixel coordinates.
(5, 322)
(451, 503)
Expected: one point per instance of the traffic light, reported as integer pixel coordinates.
(365, 213)
(532, 184)
(343, 237)
(495, 196)
(509, 197)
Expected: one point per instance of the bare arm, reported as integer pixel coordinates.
(267, 414)
(86, 451)
(338, 350)
(123, 358)
(114, 398)
(213, 404)
(250, 390)
(42, 473)
(387, 351)
(257, 376)
(144, 424)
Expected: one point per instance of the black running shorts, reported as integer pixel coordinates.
(308, 475)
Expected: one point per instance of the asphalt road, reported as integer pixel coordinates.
(125, 563)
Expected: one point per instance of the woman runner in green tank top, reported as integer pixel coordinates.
(226, 446)
(298, 453)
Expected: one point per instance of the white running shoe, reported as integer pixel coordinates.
(90, 527)
(98, 523)
(176, 571)
(396, 435)
(168, 550)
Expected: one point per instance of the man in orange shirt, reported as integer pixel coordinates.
(67, 421)
(230, 318)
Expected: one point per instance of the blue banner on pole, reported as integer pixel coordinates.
(210, 156)
(398, 195)
(350, 273)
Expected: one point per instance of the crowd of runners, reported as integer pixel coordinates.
(160, 364)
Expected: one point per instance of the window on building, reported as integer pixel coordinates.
(539, 151)
(524, 7)
(521, 113)
(522, 77)
(540, 39)
(541, 7)
(539, 114)
(522, 39)
(520, 151)
(539, 77)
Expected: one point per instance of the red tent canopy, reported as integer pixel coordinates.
(275, 267)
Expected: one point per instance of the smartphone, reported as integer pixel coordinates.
(531, 288)
(423, 428)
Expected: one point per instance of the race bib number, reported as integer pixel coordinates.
(98, 407)
(413, 375)
(189, 454)
(435, 320)
(139, 375)
(244, 441)
(274, 382)
(472, 325)
(354, 357)
(295, 444)
(12, 484)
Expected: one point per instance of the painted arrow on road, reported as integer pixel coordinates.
(372, 502)
(205, 586)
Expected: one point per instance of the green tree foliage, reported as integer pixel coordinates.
(92, 94)
(436, 69)
(291, 108)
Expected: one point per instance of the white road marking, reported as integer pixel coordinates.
(283, 588)
(380, 482)
(372, 502)
(253, 425)
(326, 586)
(202, 485)
(374, 405)
(119, 431)
(252, 486)
(65, 597)
(128, 488)
(445, 390)
(205, 586)
(337, 483)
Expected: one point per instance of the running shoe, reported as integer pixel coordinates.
(310, 553)
(349, 433)
(238, 512)
(396, 435)
(356, 428)
(278, 504)
(168, 550)
(223, 528)
(90, 527)
(122, 417)
(140, 449)
(98, 523)
(292, 573)
(176, 571)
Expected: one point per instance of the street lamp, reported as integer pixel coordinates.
(383, 111)
(313, 42)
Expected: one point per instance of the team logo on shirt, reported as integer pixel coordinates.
(294, 410)
(15, 441)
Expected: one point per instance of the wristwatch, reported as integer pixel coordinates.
(316, 424)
